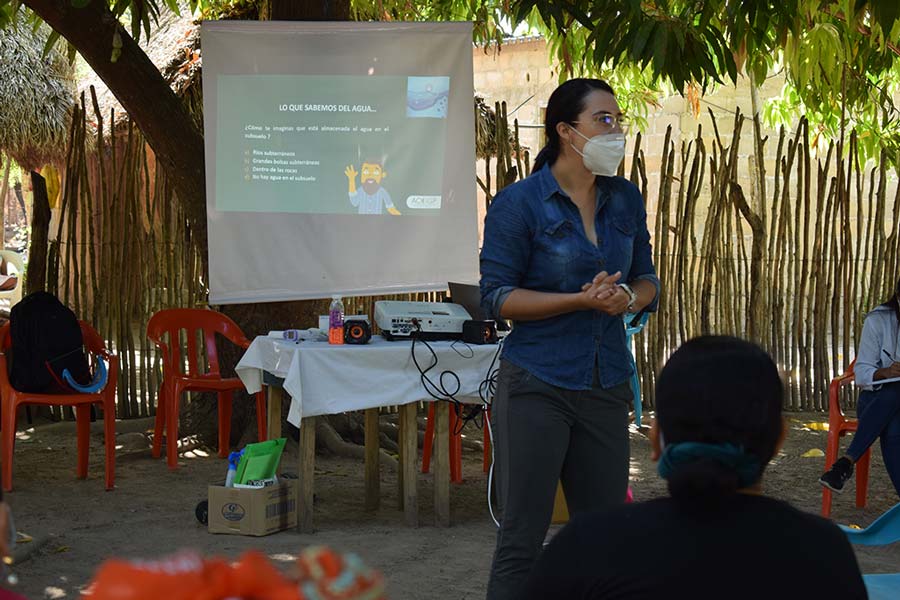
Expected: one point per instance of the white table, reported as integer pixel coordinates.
(325, 379)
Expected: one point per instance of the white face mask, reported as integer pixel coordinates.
(602, 154)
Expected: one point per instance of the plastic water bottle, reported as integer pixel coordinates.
(233, 459)
(336, 321)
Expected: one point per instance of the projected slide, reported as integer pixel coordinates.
(340, 158)
(332, 144)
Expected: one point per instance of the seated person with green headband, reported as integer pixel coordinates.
(718, 424)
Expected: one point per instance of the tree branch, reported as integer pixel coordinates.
(145, 95)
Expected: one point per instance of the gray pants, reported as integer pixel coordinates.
(544, 434)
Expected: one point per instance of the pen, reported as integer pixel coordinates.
(889, 355)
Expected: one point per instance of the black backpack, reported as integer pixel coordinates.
(46, 340)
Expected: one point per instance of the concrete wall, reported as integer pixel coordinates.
(522, 74)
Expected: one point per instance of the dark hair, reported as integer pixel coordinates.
(893, 303)
(565, 104)
(724, 391)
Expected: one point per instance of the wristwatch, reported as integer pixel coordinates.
(632, 296)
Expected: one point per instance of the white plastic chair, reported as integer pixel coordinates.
(14, 260)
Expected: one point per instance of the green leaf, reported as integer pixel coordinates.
(523, 8)
(885, 13)
(641, 37)
(760, 69)
(51, 41)
(120, 7)
(135, 23)
(658, 55)
(679, 37)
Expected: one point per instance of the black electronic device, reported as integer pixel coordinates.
(357, 331)
(469, 297)
(479, 332)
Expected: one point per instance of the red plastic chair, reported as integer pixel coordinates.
(167, 324)
(12, 399)
(838, 425)
(455, 445)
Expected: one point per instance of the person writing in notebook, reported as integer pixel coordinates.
(878, 408)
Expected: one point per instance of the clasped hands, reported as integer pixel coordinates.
(604, 294)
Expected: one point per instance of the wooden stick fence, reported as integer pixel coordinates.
(794, 263)
(795, 269)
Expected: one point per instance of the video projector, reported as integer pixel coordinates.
(427, 320)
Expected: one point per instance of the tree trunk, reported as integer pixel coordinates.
(150, 102)
(177, 143)
(4, 191)
(36, 278)
(17, 190)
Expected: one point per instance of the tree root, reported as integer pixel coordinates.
(328, 438)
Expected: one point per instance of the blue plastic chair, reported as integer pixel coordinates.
(630, 331)
(883, 586)
(883, 530)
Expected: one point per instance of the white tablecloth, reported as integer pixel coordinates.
(325, 379)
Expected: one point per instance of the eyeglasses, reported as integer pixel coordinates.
(607, 121)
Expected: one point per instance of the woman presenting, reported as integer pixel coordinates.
(566, 253)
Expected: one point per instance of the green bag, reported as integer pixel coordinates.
(259, 461)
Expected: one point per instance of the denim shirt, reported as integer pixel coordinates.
(534, 239)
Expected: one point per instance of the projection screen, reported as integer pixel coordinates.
(340, 158)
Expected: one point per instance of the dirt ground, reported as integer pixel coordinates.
(75, 525)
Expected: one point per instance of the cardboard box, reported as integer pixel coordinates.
(258, 511)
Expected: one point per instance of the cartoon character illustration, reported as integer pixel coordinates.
(371, 198)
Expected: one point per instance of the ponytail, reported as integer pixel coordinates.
(547, 156)
(703, 482)
(707, 473)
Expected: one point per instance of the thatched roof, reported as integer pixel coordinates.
(36, 97)
(173, 46)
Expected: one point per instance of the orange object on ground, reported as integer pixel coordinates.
(838, 425)
(11, 399)
(321, 574)
(187, 576)
(327, 575)
(164, 326)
